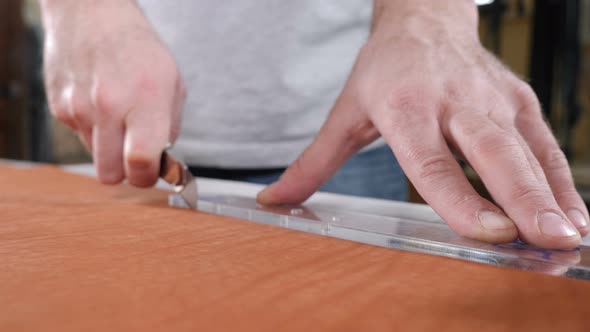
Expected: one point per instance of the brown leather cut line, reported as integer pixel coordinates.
(79, 256)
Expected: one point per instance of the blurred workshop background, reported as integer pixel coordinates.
(545, 41)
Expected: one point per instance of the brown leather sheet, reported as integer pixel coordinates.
(79, 256)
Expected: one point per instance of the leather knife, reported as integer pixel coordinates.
(177, 174)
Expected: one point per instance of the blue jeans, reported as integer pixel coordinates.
(374, 173)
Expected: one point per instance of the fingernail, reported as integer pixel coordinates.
(577, 218)
(553, 224)
(494, 221)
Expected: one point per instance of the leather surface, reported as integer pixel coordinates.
(79, 256)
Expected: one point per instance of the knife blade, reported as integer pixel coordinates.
(178, 175)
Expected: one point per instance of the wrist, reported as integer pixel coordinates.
(399, 18)
(59, 13)
(50, 5)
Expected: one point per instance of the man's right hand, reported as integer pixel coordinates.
(110, 78)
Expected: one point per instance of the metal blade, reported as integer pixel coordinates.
(189, 190)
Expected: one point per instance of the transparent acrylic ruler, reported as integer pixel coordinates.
(400, 233)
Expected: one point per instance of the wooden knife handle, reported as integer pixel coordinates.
(171, 170)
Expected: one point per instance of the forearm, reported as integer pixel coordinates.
(424, 16)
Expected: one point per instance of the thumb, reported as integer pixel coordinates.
(344, 133)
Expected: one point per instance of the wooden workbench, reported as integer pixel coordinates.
(79, 256)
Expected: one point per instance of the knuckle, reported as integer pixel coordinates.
(147, 83)
(408, 98)
(553, 159)
(107, 102)
(467, 202)
(53, 98)
(64, 117)
(54, 85)
(453, 92)
(529, 193)
(527, 98)
(432, 166)
(569, 194)
(493, 143)
(103, 97)
(81, 111)
(153, 81)
(57, 108)
(60, 110)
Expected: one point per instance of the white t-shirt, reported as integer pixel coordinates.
(261, 75)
